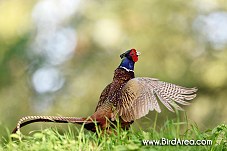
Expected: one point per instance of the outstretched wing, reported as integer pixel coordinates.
(140, 95)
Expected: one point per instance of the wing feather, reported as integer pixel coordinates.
(140, 95)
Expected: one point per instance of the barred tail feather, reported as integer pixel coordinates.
(58, 119)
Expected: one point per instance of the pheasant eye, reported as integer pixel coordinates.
(133, 52)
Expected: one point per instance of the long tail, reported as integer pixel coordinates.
(58, 119)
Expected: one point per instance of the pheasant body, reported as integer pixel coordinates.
(126, 97)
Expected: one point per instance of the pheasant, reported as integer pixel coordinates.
(125, 99)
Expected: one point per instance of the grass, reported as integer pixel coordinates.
(75, 138)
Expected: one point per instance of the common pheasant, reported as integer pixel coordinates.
(126, 98)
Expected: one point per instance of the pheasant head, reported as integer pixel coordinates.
(128, 59)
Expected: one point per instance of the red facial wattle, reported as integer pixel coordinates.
(135, 58)
(134, 55)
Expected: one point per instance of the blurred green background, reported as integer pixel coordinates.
(56, 56)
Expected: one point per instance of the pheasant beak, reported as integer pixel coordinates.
(138, 53)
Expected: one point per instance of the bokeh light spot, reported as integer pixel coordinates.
(47, 79)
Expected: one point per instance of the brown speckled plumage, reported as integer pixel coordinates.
(126, 97)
